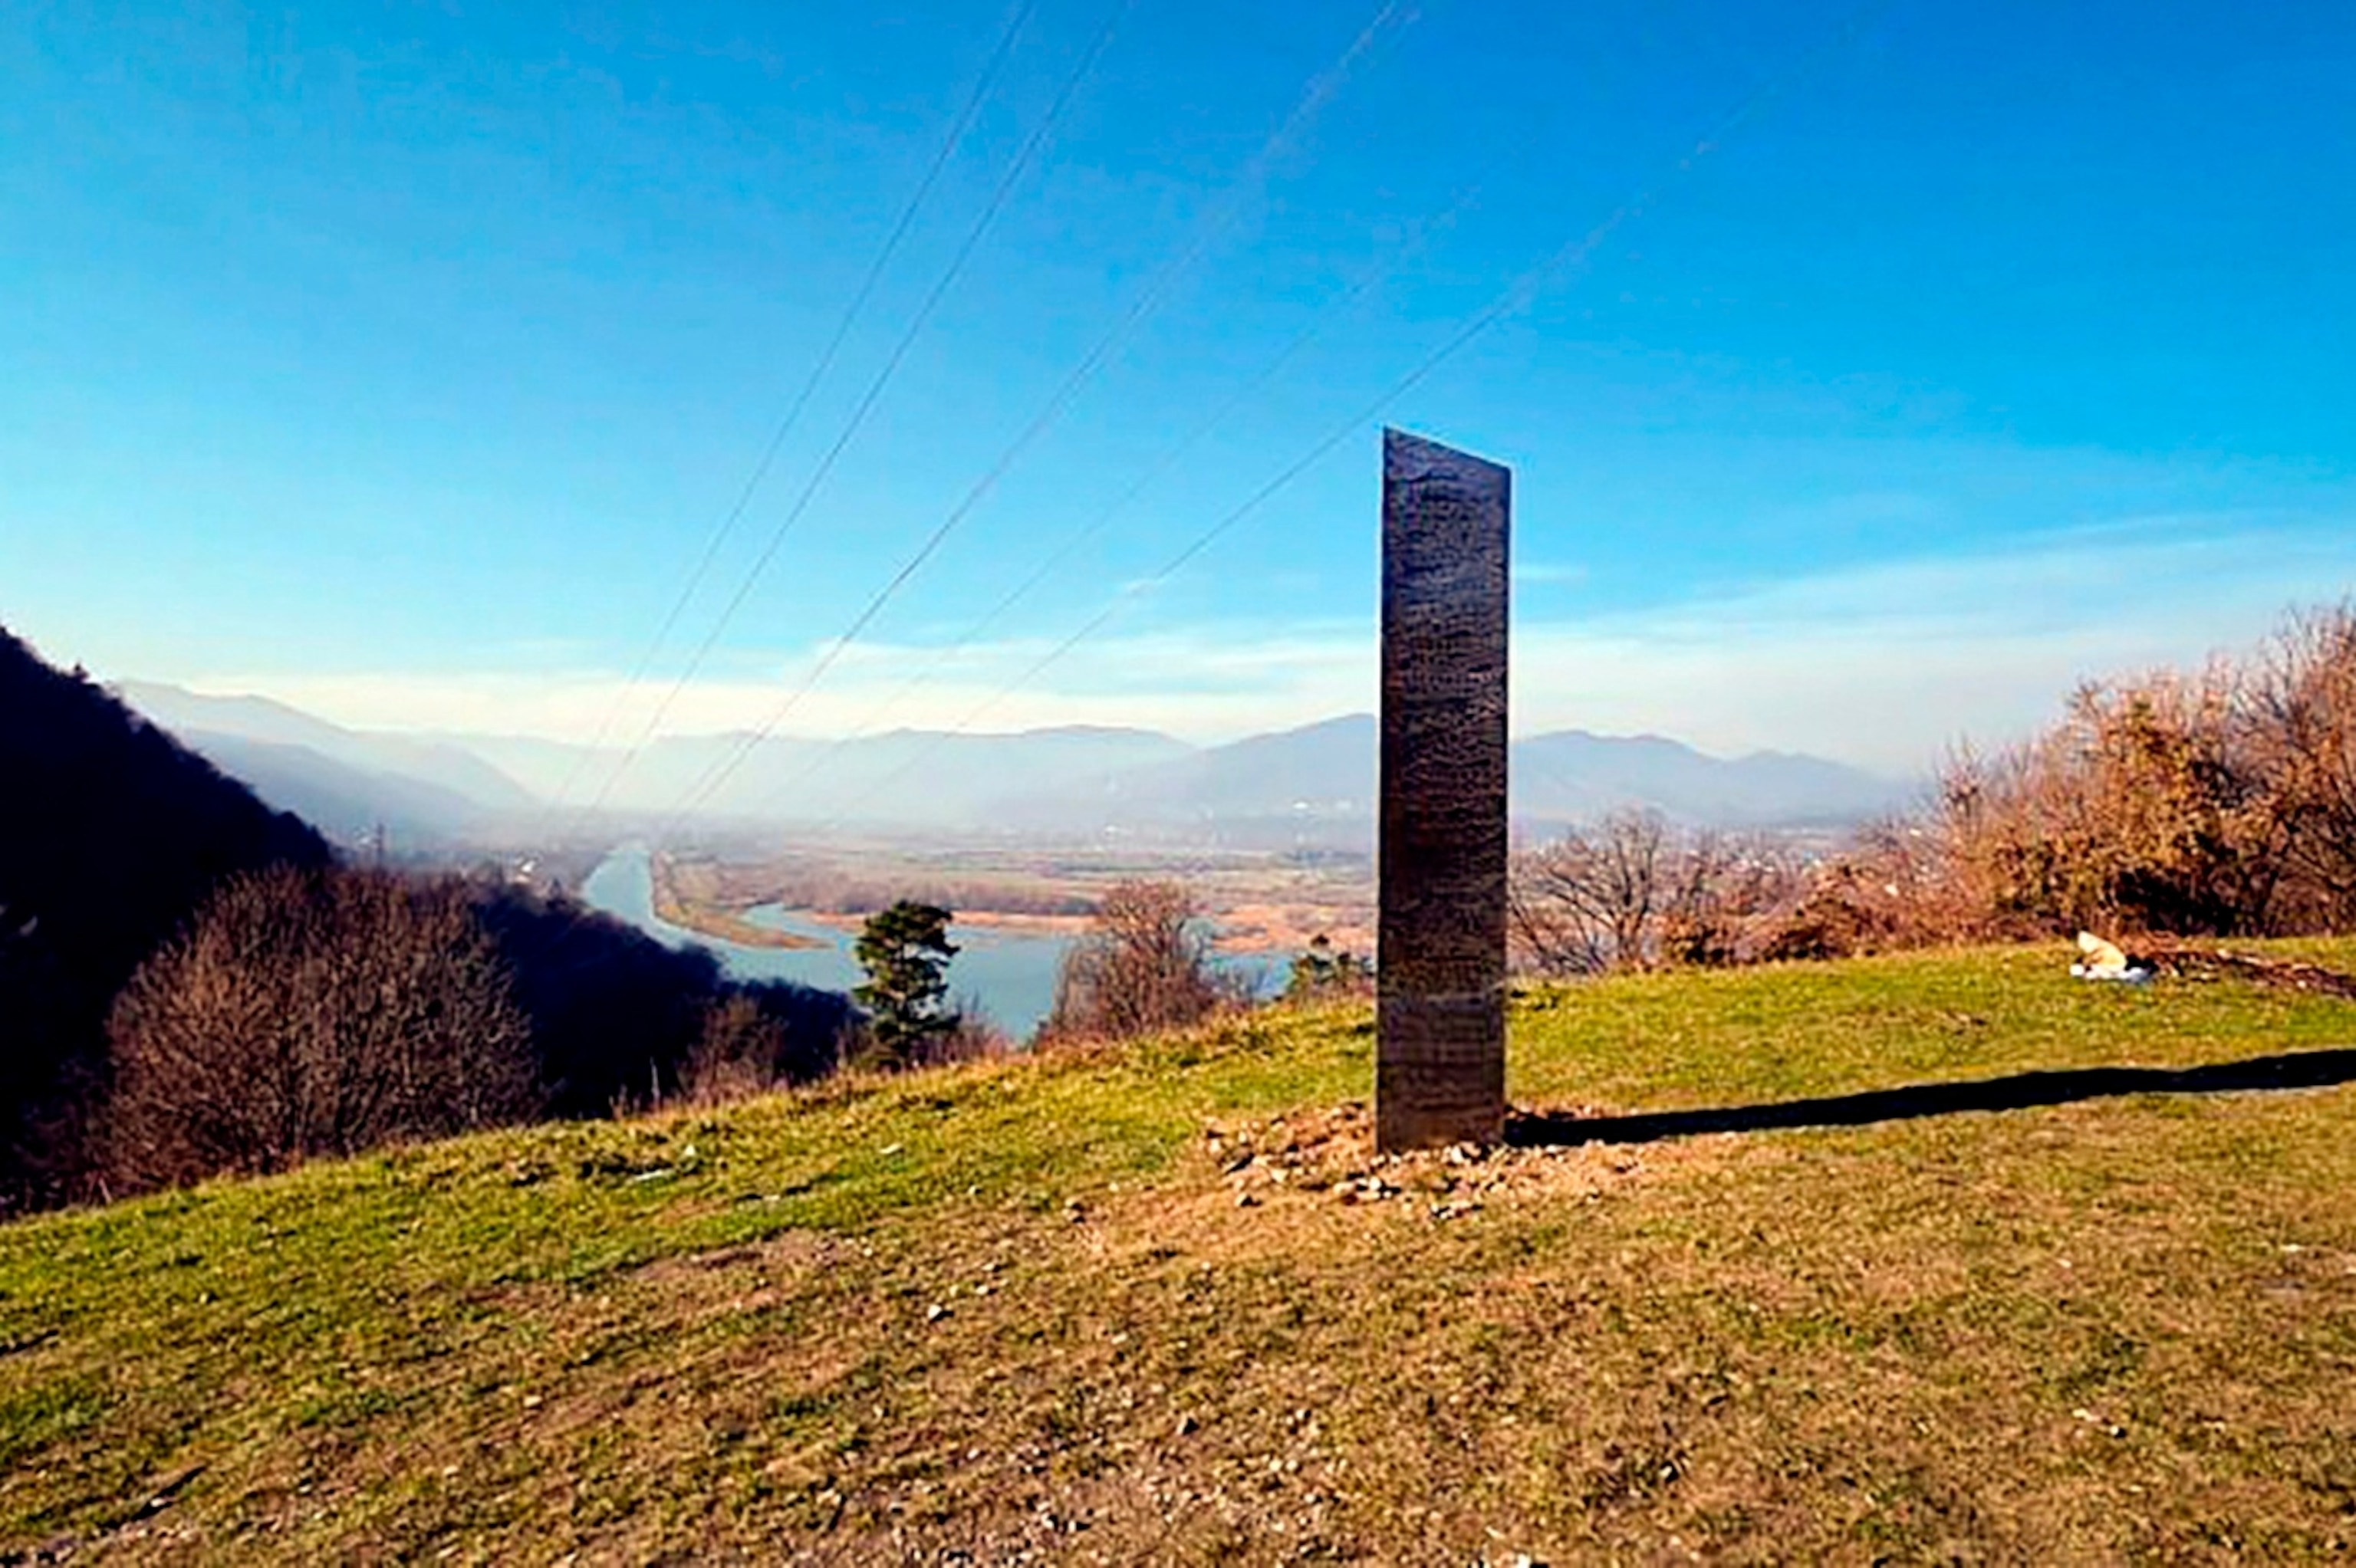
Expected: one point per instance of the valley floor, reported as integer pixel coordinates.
(1161, 1306)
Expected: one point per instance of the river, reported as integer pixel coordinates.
(1011, 976)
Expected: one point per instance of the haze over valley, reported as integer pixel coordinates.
(1313, 786)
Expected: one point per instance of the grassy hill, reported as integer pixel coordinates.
(1038, 1308)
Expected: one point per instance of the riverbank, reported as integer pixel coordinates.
(1006, 968)
(1266, 932)
(1262, 908)
(1063, 926)
(690, 909)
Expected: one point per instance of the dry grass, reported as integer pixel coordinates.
(1019, 1308)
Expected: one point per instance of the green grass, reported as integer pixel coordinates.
(868, 1323)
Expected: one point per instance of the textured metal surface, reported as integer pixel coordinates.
(1440, 972)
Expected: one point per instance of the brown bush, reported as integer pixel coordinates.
(1143, 965)
(973, 1036)
(2220, 803)
(2302, 701)
(1894, 885)
(311, 1013)
(2144, 810)
(1724, 892)
(737, 1056)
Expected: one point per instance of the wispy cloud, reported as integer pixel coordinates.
(1884, 665)
(1888, 665)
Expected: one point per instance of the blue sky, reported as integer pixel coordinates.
(400, 360)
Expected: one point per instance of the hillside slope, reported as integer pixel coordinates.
(343, 802)
(113, 834)
(388, 757)
(1032, 1308)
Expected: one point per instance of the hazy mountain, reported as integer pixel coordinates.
(1311, 784)
(565, 779)
(362, 763)
(1317, 785)
(964, 779)
(1571, 775)
(344, 802)
(446, 785)
(1278, 785)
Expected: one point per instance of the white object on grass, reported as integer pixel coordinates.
(2107, 961)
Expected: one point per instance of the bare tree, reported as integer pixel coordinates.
(310, 1013)
(1143, 965)
(739, 1054)
(1633, 892)
(1586, 903)
(1722, 890)
(2304, 705)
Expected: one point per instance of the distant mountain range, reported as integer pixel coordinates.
(345, 783)
(1315, 784)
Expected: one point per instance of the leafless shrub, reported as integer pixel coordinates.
(2149, 809)
(1143, 965)
(757, 1038)
(2221, 802)
(1633, 892)
(2303, 702)
(1724, 892)
(737, 1056)
(2140, 811)
(311, 1013)
(975, 1036)
(1586, 903)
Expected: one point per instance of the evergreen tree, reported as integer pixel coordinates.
(905, 951)
(1325, 970)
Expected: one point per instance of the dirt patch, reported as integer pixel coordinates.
(2284, 973)
(1262, 1186)
(790, 1253)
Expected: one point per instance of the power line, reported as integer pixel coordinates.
(958, 129)
(998, 199)
(876, 387)
(1160, 465)
(1516, 296)
(1334, 306)
(1321, 90)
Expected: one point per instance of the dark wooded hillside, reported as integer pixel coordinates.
(111, 835)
